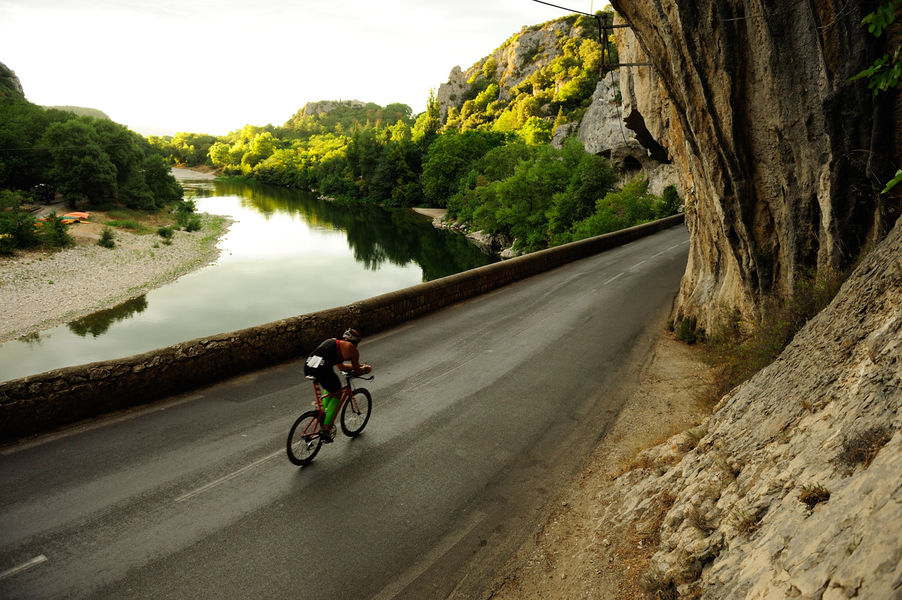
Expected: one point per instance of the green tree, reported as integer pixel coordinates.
(535, 131)
(17, 226)
(164, 188)
(429, 122)
(450, 157)
(81, 169)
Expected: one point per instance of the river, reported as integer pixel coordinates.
(287, 253)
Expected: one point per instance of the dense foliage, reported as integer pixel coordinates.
(88, 162)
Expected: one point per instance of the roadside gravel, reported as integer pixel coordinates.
(40, 289)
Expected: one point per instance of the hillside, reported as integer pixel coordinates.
(82, 111)
(548, 71)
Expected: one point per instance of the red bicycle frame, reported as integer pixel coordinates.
(346, 392)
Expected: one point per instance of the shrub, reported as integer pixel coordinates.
(814, 495)
(658, 585)
(107, 239)
(670, 203)
(746, 519)
(165, 232)
(863, 446)
(687, 330)
(742, 348)
(192, 223)
(17, 227)
(55, 233)
(699, 520)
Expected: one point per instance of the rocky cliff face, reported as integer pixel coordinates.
(780, 156)
(325, 106)
(605, 130)
(9, 83)
(516, 59)
(792, 488)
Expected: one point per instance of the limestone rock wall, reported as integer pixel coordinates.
(780, 156)
(792, 488)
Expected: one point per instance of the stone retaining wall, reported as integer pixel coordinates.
(40, 402)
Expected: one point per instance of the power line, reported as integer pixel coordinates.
(564, 8)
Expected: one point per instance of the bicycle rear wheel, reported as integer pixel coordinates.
(304, 439)
(356, 412)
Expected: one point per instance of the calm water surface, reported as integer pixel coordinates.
(287, 253)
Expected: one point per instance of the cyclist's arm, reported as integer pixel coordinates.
(349, 352)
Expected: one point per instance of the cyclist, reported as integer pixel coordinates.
(334, 352)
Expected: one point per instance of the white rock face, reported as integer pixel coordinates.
(823, 422)
(602, 128)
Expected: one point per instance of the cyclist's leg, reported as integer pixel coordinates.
(332, 397)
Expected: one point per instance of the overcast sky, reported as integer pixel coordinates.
(212, 66)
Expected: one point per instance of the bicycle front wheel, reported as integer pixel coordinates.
(304, 438)
(356, 412)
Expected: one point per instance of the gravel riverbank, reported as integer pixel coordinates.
(39, 289)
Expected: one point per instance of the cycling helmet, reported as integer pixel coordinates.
(351, 335)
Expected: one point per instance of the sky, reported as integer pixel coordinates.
(213, 66)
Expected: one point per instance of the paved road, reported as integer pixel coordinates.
(481, 413)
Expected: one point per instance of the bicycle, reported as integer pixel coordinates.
(306, 436)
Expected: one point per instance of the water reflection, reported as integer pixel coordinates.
(286, 254)
(375, 235)
(98, 323)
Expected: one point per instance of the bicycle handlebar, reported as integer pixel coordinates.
(351, 375)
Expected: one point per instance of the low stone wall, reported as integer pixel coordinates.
(40, 402)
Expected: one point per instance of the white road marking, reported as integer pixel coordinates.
(396, 586)
(617, 276)
(27, 565)
(225, 478)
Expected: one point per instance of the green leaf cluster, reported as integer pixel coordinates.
(541, 196)
(184, 148)
(886, 71)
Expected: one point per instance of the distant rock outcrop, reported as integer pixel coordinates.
(605, 130)
(325, 106)
(9, 83)
(515, 60)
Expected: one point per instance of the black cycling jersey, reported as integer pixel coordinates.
(329, 351)
(320, 363)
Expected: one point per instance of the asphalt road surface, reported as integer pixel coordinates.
(481, 413)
